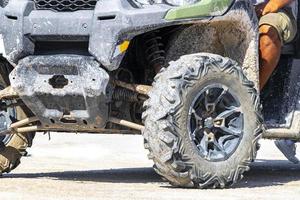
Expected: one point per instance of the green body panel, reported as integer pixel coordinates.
(202, 9)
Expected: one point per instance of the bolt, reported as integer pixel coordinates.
(211, 136)
(218, 122)
(84, 25)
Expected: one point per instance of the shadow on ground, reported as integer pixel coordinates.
(124, 175)
(263, 173)
(270, 173)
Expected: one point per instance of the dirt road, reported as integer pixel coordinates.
(72, 167)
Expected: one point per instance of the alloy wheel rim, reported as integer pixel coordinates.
(216, 122)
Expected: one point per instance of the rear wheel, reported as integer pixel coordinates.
(12, 147)
(202, 122)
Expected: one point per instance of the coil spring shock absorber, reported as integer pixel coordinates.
(154, 51)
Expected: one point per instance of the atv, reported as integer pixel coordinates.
(185, 74)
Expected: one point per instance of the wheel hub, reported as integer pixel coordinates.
(209, 123)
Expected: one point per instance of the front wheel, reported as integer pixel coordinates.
(12, 147)
(202, 122)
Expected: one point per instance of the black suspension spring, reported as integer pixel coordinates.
(121, 94)
(154, 50)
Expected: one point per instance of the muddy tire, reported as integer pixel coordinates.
(3, 3)
(14, 146)
(195, 118)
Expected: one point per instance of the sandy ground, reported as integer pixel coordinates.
(116, 167)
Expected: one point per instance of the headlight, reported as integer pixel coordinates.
(171, 2)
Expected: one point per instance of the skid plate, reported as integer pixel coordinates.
(63, 90)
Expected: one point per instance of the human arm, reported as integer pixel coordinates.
(274, 6)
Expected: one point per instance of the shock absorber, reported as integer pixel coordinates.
(154, 50)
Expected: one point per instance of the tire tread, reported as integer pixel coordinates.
(160, 120)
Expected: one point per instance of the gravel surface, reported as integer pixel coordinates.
(75, 167)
